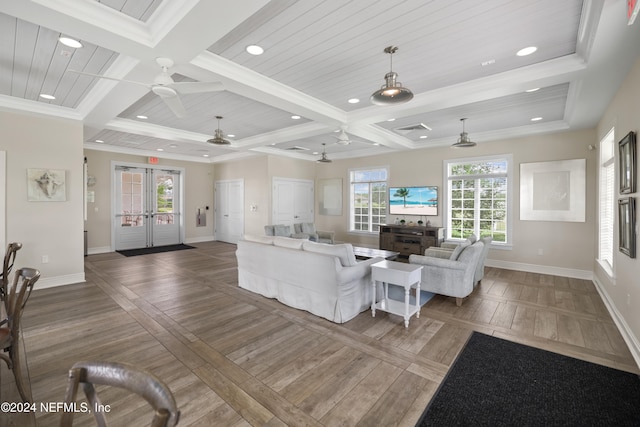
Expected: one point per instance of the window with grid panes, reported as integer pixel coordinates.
(368, 200)
(606, 200)
(478, 198)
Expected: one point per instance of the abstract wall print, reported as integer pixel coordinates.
(46, 185)
(553, 191)
(330, 196)
(627, 150)
(627, 226)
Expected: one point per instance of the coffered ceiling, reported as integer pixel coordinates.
(457, 57)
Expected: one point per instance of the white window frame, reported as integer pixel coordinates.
(447, 196)
(351, 200)
(606, 225)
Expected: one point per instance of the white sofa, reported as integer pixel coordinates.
(323, 279)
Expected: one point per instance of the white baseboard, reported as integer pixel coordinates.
(199, 239)
(100, 250)
(542, 269)
(623, 327)
(52, 282)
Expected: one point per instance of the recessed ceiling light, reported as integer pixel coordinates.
(526, 51)
(142, 117)
(99, 140)
(391, 120)
(205, 155)
(296, 117)
(68, 41)
(533, 89)
(46, 96)
(488, 62)
(159, 149)
(173, 146)
(254, 49)
(230, 135)
(423, 136)
(536, 119)
(353, 101)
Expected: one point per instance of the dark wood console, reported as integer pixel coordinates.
(409, 239)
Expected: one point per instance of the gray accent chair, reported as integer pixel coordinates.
(447, 248)
(453, 276)
(303, 230)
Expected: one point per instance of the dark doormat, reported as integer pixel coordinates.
(495, 382)
(155, 250)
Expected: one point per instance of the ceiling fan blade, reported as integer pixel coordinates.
(197, 87)
(175, 105)
(108, 78)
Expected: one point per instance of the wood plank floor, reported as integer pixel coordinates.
(233, 358)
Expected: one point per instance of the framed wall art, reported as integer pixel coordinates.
(627, 151)
(46, 185)
(330, 196)
(627, 226)
(553, 191)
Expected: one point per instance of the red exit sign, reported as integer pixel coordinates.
(632, 10)
(153, 160)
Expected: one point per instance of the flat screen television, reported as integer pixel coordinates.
(413, 201)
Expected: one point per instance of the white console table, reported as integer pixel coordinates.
(396, 273)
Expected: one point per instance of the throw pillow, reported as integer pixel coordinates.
(268, 230)
(343, 251)
(308, 227)
(458, 250)
(282, 230)
(288, 242)
(472, 238)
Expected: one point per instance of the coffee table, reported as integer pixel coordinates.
(401, 274)
(367, 253)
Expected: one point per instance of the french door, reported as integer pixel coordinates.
(147, 207)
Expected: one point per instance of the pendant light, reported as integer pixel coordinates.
(464, 140)
(392, 92)
(324, 158)
(218, 138)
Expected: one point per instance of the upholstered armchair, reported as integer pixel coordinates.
(453, 276)
(445, 250)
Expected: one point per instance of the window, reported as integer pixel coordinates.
(478, 200)
(606, 201)
(368, 199)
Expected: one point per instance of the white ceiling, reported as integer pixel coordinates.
(458, 58)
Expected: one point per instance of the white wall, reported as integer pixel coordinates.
(622, 291)
(53, 229)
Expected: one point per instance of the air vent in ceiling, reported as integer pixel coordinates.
(297, 148)
(406, 129)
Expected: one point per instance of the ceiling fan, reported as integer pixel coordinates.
(324, 158)
(343, 138)
(164, 86)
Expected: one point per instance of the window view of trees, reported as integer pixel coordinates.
(478, 200)
(164, 199)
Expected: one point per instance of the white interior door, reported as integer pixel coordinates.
(293, 201)
(229, 210)
(147, 207)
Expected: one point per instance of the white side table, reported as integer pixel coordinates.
(397, 273)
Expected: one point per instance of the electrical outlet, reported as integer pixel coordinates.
(45, 259)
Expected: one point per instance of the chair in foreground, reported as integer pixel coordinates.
(15, 300)
(127, 377)
(9, 258)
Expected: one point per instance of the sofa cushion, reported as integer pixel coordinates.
(288, 242)
(458, 250)
(343, 251)
(281, 230)
(267, 240)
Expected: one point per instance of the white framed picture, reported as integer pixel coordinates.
(46, 185)
(553, 191)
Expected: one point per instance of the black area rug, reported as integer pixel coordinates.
(495, 382)
(155, 250)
